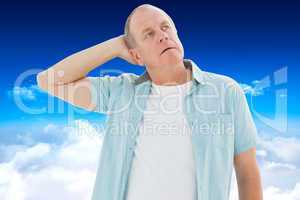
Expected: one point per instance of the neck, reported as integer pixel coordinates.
(171, 75)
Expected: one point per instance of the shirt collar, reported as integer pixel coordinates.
(197, 73)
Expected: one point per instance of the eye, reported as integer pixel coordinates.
(165, 27)
(148, 34)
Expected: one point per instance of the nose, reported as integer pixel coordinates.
(163, 36)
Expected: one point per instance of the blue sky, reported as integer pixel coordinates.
(256, 43)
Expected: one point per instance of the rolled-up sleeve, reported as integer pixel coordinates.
(244, 127)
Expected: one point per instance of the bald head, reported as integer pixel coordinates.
(128, 33)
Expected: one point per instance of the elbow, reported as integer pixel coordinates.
(41, 80)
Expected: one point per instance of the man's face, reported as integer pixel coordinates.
(157, 42)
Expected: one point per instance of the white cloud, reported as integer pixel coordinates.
(48, 171)
(67, 171)
(7, 152)
(274, 193)
(50, 128)
(286, 149)
(279, 165)
(30, 156)
(23, 92)
(274, 165)
(25, 138)
(261, 153)
(254, 91)
(27, 93)
(278, 174)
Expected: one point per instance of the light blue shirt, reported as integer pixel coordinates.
(216, 111)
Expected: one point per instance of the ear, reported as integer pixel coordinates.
(136, 57)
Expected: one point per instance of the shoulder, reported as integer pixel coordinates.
(215, 78)
(222, 82)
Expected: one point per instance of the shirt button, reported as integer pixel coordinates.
(131, 148)
(131, 151)
(192, 123)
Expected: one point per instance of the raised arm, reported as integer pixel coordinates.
(67, 79)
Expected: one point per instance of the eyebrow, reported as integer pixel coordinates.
(148, 29)
(145, 30)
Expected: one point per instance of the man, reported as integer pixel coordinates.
(175, 132)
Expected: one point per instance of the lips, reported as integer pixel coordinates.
(167, 50)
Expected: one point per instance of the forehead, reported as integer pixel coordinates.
(146, 17)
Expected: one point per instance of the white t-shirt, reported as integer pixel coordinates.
(163, 167)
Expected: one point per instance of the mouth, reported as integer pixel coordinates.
(167, 50)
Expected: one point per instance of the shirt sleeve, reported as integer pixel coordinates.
(245, 132)
(101, 92)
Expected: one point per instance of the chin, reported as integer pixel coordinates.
(172, 59)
